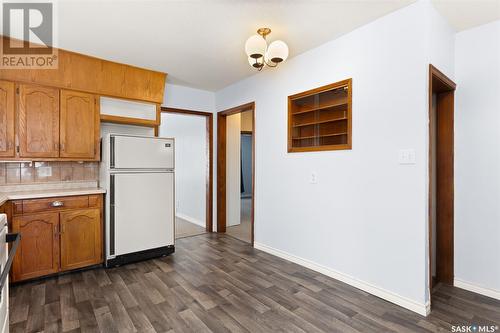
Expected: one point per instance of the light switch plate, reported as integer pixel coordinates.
(407, 156)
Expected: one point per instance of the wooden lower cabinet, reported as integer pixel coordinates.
(38, 253)
(58, 239)
(81, 243)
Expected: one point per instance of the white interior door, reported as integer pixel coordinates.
(144, 211)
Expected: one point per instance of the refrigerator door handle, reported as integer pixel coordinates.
(111, 152)
(112, 215)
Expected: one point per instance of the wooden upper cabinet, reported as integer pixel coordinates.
(38, 121)
(79, 122)
(93, 75)
(81, 238)
(38, 252)
(7, 119)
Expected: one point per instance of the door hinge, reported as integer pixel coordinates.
(17, 90)
(17, 148)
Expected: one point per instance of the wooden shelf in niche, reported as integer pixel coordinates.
(320, 119)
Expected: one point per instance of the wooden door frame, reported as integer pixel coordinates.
(210, 161)
(444, 86)
(221, 164)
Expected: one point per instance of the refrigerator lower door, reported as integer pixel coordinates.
(142, 212)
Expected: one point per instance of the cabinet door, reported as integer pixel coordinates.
(38, 252)
(38, 121)
(6, 119)
(81, 238)
(79, 125)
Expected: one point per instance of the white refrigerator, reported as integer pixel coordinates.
(138, 175)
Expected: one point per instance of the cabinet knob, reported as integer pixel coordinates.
(57, 203)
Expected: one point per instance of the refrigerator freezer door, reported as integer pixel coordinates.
(143, 211)
(131, 152)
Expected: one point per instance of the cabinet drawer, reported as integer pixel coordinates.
(94, 200)
(57, 203)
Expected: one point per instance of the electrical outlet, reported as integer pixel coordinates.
(45, 171)
(406, 156)
(313, 179)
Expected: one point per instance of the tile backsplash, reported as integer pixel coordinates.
(12, 173)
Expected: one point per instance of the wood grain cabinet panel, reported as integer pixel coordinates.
(93, 75)
(54, 204)
(81, 243)
(7, 119)
(79, 122)
(38, 252)
(38, 121)
(17, 207)
(55, 238)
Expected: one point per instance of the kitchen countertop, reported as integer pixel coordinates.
(35, 194)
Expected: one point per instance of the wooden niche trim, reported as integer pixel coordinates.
(321, 119)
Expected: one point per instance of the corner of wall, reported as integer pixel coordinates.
(183, 97)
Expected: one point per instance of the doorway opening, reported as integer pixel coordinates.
(441, 175)
(193, 135)
(236, 172)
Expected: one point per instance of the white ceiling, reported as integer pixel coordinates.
(465, 14)
(200, 43)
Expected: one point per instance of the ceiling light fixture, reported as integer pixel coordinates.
(260, 54)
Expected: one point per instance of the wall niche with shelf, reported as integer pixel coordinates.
(320, 119)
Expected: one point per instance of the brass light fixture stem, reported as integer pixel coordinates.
(264, 32)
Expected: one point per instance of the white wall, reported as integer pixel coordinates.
(190, 164)
(120, 107)
(233, 170)
(477, 158)
(182, 97)
(125, 108)
(107, 128)
(441, 43)
(365, 203)
(441, 54)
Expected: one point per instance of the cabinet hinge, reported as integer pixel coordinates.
(17, 90)
(17, 149)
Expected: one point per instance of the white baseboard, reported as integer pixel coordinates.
(190, 219)
(476, 289)
(420, 308)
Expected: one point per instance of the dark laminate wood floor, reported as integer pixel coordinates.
(220, 284)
